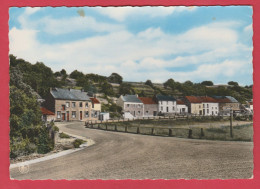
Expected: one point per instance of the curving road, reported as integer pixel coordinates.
(118, 155)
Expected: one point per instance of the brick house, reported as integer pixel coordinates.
(226, 103)
(131, 105)
(150, 106)
(69, 105)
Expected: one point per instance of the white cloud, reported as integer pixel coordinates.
(213, 48)
(31, 10)
(121, 13)
(249, 28)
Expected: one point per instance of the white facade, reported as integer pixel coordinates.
(134, 108)
(210, 108)
(182, 109)
(167, 106)
(104, 116)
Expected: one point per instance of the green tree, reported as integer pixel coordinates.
(115, 78)
(207, 83)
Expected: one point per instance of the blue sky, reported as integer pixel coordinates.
(140, 43)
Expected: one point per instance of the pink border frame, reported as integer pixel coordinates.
(4, 96)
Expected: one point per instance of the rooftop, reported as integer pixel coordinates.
(165, 98)
(95, 101)
(131, 98)
(147, 100)
(69, 94)
(46, 111)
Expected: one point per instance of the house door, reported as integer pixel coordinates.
(67, 116)
(154, 113)
(80, 115)
(63, 116)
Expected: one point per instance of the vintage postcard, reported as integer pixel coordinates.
(131, 92)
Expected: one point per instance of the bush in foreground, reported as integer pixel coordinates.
(78, 142)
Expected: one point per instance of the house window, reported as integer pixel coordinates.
(207, 110)
(139, 112)
(147, 112)
(207, 105)
(173, 108)
(199, 106)
(139, 105)
(67, 104)
(161, 108)
(80, 104)
(73, 114)
(86, 105)
(86, 114)
(203, 105)
(62, 107)
(95, 114)
(73, 104)
(128, 105)
(93, 105)
(216, 112)
(58, 114)
(216, 108)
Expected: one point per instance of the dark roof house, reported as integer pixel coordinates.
(69, 94)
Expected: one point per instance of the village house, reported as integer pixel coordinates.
(194, 105)
(96, 107)
(166, 104)
(150, 106)
(210, 106)
(47, 115)
(131, 105)
(69, 105)
(227, 103)
(182, 108)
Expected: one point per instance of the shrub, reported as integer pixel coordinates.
(55, 128)
(63, 135)
(77, 143)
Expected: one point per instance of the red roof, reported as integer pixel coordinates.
(46, 111)
(95, 101)
(207, 99)
(180, 102)
(193, 99)
(147, 100)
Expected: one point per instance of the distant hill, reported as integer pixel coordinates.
(41, 78)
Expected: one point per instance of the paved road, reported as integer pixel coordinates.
(129, 156)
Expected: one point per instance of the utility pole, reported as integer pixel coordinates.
(231, 119)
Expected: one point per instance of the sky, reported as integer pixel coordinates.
(139, 43)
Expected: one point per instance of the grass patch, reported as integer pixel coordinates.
(77, 142)
(216, 130)
(63, 135)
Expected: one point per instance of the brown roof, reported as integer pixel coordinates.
(180, 102)
(46, 111)
(222, 100)
(147, 100)
(193, 99)
(95, 101)
(207, 99)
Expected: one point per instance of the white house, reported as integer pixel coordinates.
(166, 104)
(131, 104)
(182, 108)
(210, 106)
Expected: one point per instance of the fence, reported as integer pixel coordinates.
(175, 117)
(241, 133)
